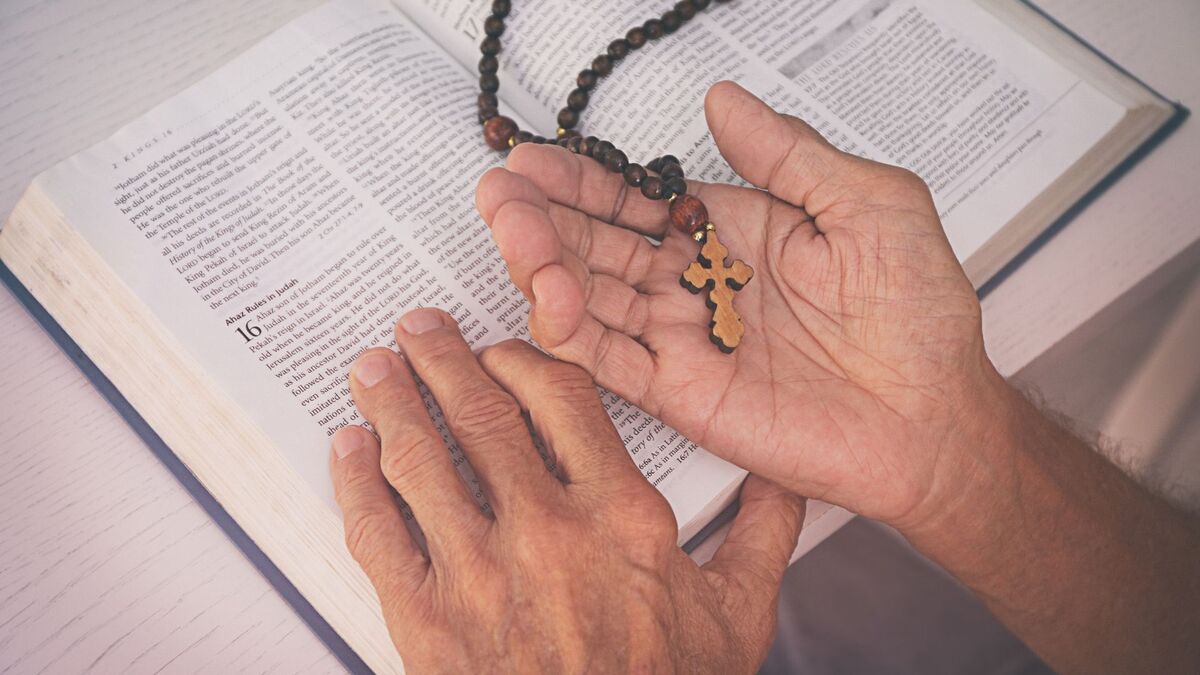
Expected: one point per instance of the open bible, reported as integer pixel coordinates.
(224, 258)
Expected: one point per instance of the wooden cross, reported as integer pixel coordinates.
(710, 272)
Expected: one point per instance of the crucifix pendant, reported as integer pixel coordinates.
(710, 273)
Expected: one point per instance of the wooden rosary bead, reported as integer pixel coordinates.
(540, 140)
(586, 145)
(655, 164)
(652, 187)
(602, 65)
(618, 49)
(577, 100)
(573, 143)
(670, 171)
(497, 131)
(521, 136)
(567, 118)
(636, 37)
(653, 29)
(675, 185)
(670, 159)
(486, 114)
(600, 150)
(616, 161)
(488, 100)
(701, 4)
(587, 79)
(686, 10)
(634, 175)
(489, 83)
(688, 214)
(490, 46)
(489, 64)
(493, 26)
(501, 8)
(671, 21)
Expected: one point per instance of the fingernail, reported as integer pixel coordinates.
(346, 441)
(372, 368)
(421, 321)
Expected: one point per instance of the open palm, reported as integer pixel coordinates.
(862, 333)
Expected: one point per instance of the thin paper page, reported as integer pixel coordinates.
(281, 214)
(941, 87)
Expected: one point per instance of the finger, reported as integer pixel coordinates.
(583, 184)
(375, 531)
(529, 242)
(560, 323)
(566, 412)
(761, 540)
(485, 421)
(414, 458)
(779, 153)
(522, 221)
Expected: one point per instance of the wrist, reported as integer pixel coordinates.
(974, 477)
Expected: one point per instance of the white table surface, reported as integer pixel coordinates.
(108, 565)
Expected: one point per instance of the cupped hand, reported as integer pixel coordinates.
(571, 575)
(863, 346)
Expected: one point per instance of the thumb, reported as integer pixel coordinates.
(779, 153)
(754, 556)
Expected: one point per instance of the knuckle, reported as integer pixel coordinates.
(365, 533)
(487, 410)
(566, 380)
(409, 457)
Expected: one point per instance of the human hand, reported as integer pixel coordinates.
(567, 576)
(863, 347)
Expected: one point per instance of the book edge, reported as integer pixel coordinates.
(183, 475)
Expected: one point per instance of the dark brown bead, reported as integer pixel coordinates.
(587, 79)
(636, 37)
(686, 9)
(652, 187)
(490, 46)
(493, 26)
(501, 8)
(701, 4)
(688, 214)
(540, 140)
(618, 49)
(486, 114)
(567, 118)
(671, 171)
(675, 185)
(634, 175)
(600, 150)
(497, 131)
(616, 161)
(578, 99)
(573, 143)
(586, 145)
(562, 141)
(655, 164)
(522, 136)
(489, 83)
(670, 159)
(602, 65)
(653, 28)
(671, 21)
(489, 64)
(488, 100)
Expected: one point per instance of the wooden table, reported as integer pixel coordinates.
(108, 565)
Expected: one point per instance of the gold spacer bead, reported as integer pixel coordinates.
(671, 199)
(699, 236)
(709, 227)
(560, 132)
(512, 141)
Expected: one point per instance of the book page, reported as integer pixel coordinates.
(280, 215)
(941, 87)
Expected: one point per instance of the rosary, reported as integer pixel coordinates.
(687, 213)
